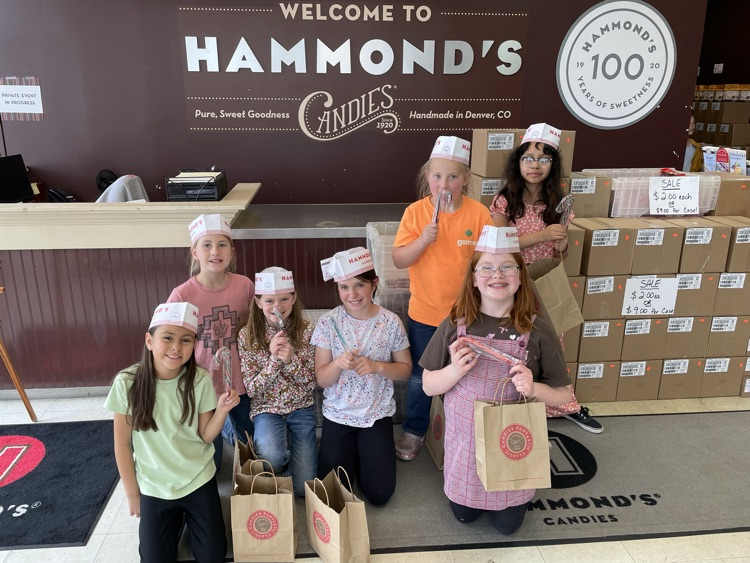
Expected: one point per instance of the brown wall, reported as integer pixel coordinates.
(724, 43)
(114, 94)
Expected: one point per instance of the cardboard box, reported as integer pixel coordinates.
(572, 367)
(603, 297)
(591, 194)
(643, 339)
(484, 189)
(722, 377)
(739, 134)
(572, 260)
(738, 257)
(734, 195)
(681, 378)
(570, 343)
(696, 294)
(731, 112)
(608, 246)
(745, 390)
(578, 287)
(597, 382)
(639, 381)
(705, 245)
(490, 149)
(729, 336)
(732, 294)
(687, 337)
(601, 340)
(657, 248)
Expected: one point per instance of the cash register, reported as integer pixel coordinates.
(197, 185)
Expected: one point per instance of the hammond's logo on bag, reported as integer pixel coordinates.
(322, 119)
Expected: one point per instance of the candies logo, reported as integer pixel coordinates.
(321, 527)
(516, 442)
(437, 426)
(262, 525)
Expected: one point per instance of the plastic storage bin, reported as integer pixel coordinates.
(630, 195)
(380, 237)
(395, 300)
(624, 172)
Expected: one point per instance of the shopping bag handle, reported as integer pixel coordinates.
(316, 481)
(249, 444)
(252, 461)
(252, 483)
(505, 381)
(339, 468)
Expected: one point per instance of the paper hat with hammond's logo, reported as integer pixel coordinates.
(209, 225)
(542, 133)
(452, 148)
(176, 314)
(274, 280)
(347, 264)
(498, 240)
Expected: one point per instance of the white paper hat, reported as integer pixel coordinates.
(542, 133)
(209, 225)
(176, 314)
(498, 240)
(273, 281)
(346, 264)
(452, 148)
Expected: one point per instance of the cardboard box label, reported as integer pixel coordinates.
(500, 141)
(732, 281)
(715, 106)
(590, 371)
(600, 285)
(637, 326)
(583, 186)
(702, 106)
(595, 329)
(711, 127)
(698, 235)
(632, 369)
(680, 324)
(723, 324)
(724, 128)
(716, 365)
(649, 237)
(490, 186)
(609, 237)
(673, 367)
(743, 236)
(689, 281)
(747, 368)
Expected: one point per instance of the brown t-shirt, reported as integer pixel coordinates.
(545, 354)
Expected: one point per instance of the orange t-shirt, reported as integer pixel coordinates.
(436, 276)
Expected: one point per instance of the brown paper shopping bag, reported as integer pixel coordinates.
(336, 521)
(436, 431)
(554, 291)
(512, 448)
(243, 453)
(264, 523)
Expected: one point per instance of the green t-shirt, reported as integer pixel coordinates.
(174, 461)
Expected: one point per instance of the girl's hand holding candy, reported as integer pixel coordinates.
(463, 358)
(523, 379)
(429, 234)
(346, 361)
(227, 401)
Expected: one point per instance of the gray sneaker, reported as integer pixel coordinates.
(408, 446)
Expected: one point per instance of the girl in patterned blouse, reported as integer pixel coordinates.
(360, 350)
(277, 363)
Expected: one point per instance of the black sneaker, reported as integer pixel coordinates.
(585, 421)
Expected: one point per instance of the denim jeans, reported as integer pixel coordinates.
(417, 402)
(240, 420)
(289, 442)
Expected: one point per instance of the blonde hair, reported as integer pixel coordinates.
(469, 299)
(423, 184)
(195, 266)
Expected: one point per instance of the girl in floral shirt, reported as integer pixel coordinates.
(360, 349)
(277, 363)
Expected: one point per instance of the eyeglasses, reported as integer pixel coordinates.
(489, 271)
(543, 161)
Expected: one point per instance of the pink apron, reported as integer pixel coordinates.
(462, 484)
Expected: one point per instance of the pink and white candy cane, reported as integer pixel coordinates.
(223, 359)
(565, 209)
(489, 352)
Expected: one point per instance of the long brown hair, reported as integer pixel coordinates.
(256, 326)
(469, 298)
(142, 393)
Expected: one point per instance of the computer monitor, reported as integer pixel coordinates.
(14, 180)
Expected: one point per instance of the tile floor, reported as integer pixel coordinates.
(115, 538)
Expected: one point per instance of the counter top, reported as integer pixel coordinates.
(163, 224)
(307, 221)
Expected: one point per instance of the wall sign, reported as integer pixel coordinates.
(329, 70)
(616, 64)
(20, 99)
